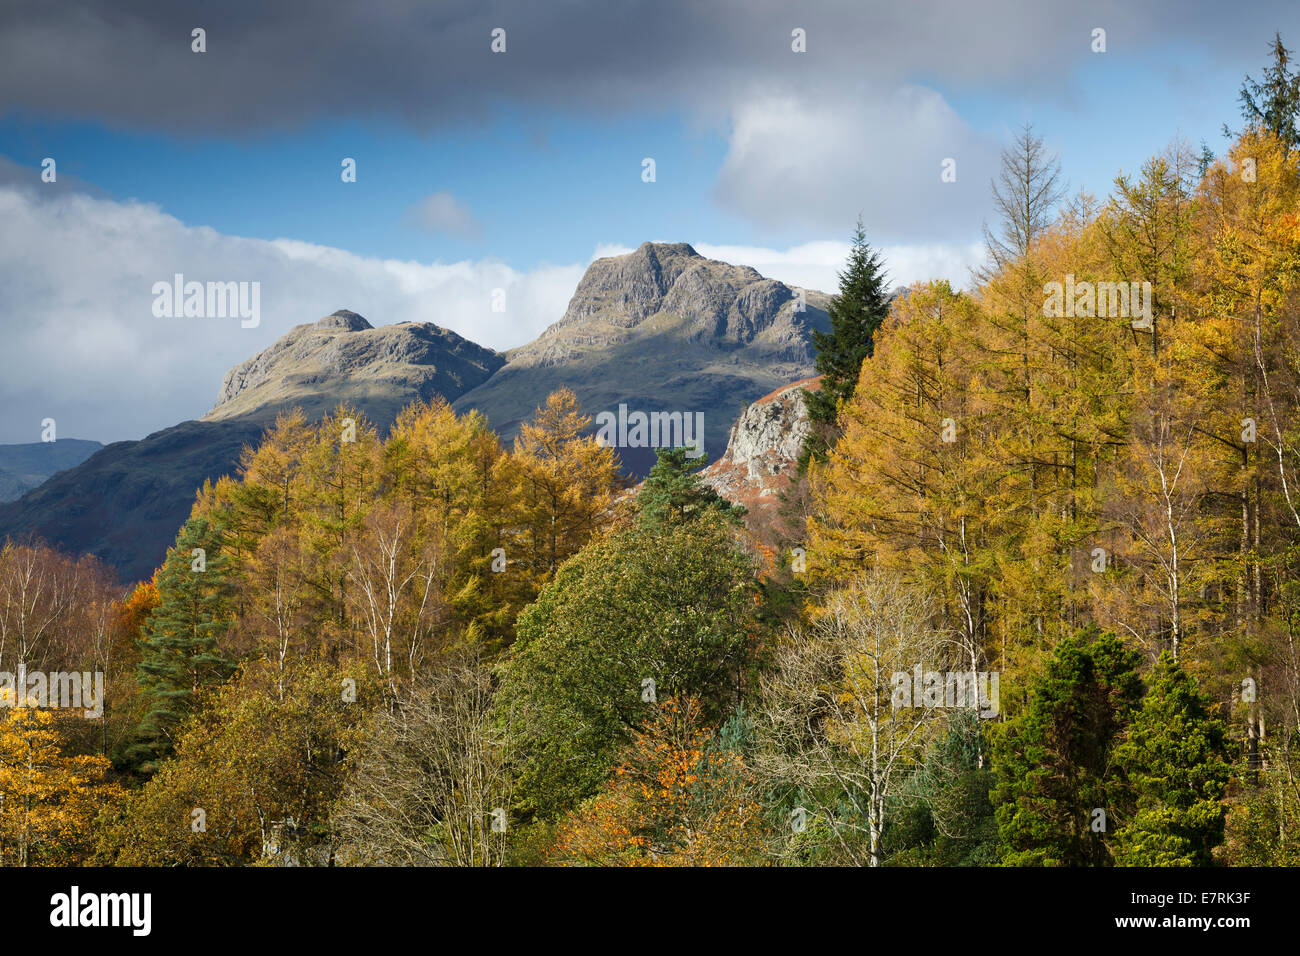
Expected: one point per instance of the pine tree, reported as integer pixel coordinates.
(856, 313)
(1274, 103)
(180, 655)
(1173, 757)
(674, 493)
(1053, 762)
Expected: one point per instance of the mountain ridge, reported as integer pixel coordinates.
(25, 466)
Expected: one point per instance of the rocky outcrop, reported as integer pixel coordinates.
(662, 329)
(763, 449)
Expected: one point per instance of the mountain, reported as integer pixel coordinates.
(23, 467)
(125, 503)
(661, 329)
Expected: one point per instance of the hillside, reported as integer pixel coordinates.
(125, 503)
(24, 466)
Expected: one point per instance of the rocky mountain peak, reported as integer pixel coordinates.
(662, 328)
(344, 319)
(343, 358)
(624, 290)
(670, 289)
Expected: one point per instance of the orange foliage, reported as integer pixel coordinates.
(673, 801)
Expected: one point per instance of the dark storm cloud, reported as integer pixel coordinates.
(278, 64)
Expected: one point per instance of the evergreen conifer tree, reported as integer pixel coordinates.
(674, 493)
(856, 313)
(179, 651)
(1173, 758)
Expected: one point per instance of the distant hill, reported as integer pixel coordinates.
(23, 467)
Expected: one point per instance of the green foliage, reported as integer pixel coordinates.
(673, 493)
(263, 766)
(180, 655)
(944, 816)
(670, 604)
(1274, 103)
(1053, 763)
(1173, 758)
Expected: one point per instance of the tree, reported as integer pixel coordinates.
(635, 616)
(1025, 193)
(452, 471)
(909, 486)
(342, 474)
(1274, 103)
(674, 493)
(855, 313)
(1056, 796)
(833, 731)
(41, 591)
(943, 816)
(1173, 758)
(429, 778)
(681, 796)
(48, 798)
(181, 655)
(561, 483)
(395, 600)
(253, 776)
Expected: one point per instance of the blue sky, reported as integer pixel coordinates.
(545, 187)
(481, 171)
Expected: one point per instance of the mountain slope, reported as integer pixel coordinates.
(23, 467)
(125, 503)
(661, 329)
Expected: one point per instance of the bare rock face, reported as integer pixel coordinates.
(343, 358)
(662, 329)
(763, 448)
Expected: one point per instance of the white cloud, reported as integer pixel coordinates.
(443, 212)
(813, 164)
(816, 265)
